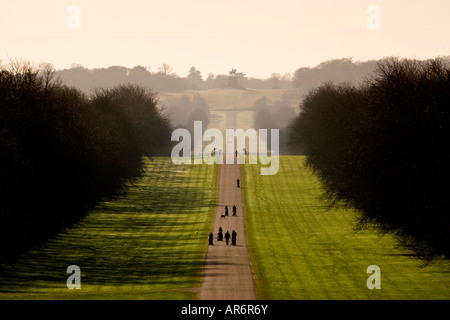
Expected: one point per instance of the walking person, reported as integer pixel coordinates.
(226, 211)
(238, 183)
(220, 235)
(227, 237)
(234, 210)
(210, 239)
(233, 238)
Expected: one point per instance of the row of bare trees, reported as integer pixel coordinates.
(384, 148)
(63, 151)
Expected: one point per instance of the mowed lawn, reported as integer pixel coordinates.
(300, 249)
(141, 246)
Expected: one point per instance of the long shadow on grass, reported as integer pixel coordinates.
(145, 238)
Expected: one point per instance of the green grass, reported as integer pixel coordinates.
(141, 246)
(300, 249)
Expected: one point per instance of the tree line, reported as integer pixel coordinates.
(63, 151)
(383, 148)
(162, 80)
(165, 80)
(336, 70)
(184, 110)
(277, 115)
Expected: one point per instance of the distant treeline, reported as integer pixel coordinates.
(384, 148)
(337, 70)
(277, 115)
(164, 80)
(184, 110)
(62, 151)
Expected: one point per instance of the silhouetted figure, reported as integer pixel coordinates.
(210, 238)
(226, 210)
(220, 235)
(233, 238)
(236, 153)
(234, 210)
(238, 183)
(227, 237)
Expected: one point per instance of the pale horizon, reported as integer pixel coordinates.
(256, 37)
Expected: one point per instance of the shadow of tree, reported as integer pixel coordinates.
(147, 237)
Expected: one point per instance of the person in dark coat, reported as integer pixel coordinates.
(220, 235)
(234, 210)
(227, 237)
(226, 211)
(238, 183)
(233, 238)
(210, 238)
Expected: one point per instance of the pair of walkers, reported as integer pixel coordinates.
(227, 236)
(234, 210)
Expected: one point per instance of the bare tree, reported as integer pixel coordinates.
(165, 69)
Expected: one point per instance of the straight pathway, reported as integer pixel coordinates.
(228, 273)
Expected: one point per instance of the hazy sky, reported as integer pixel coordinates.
(257, 37)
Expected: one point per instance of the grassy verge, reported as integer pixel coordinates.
(141, 246)
(300, 249)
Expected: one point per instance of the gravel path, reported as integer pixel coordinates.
(228, 274)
